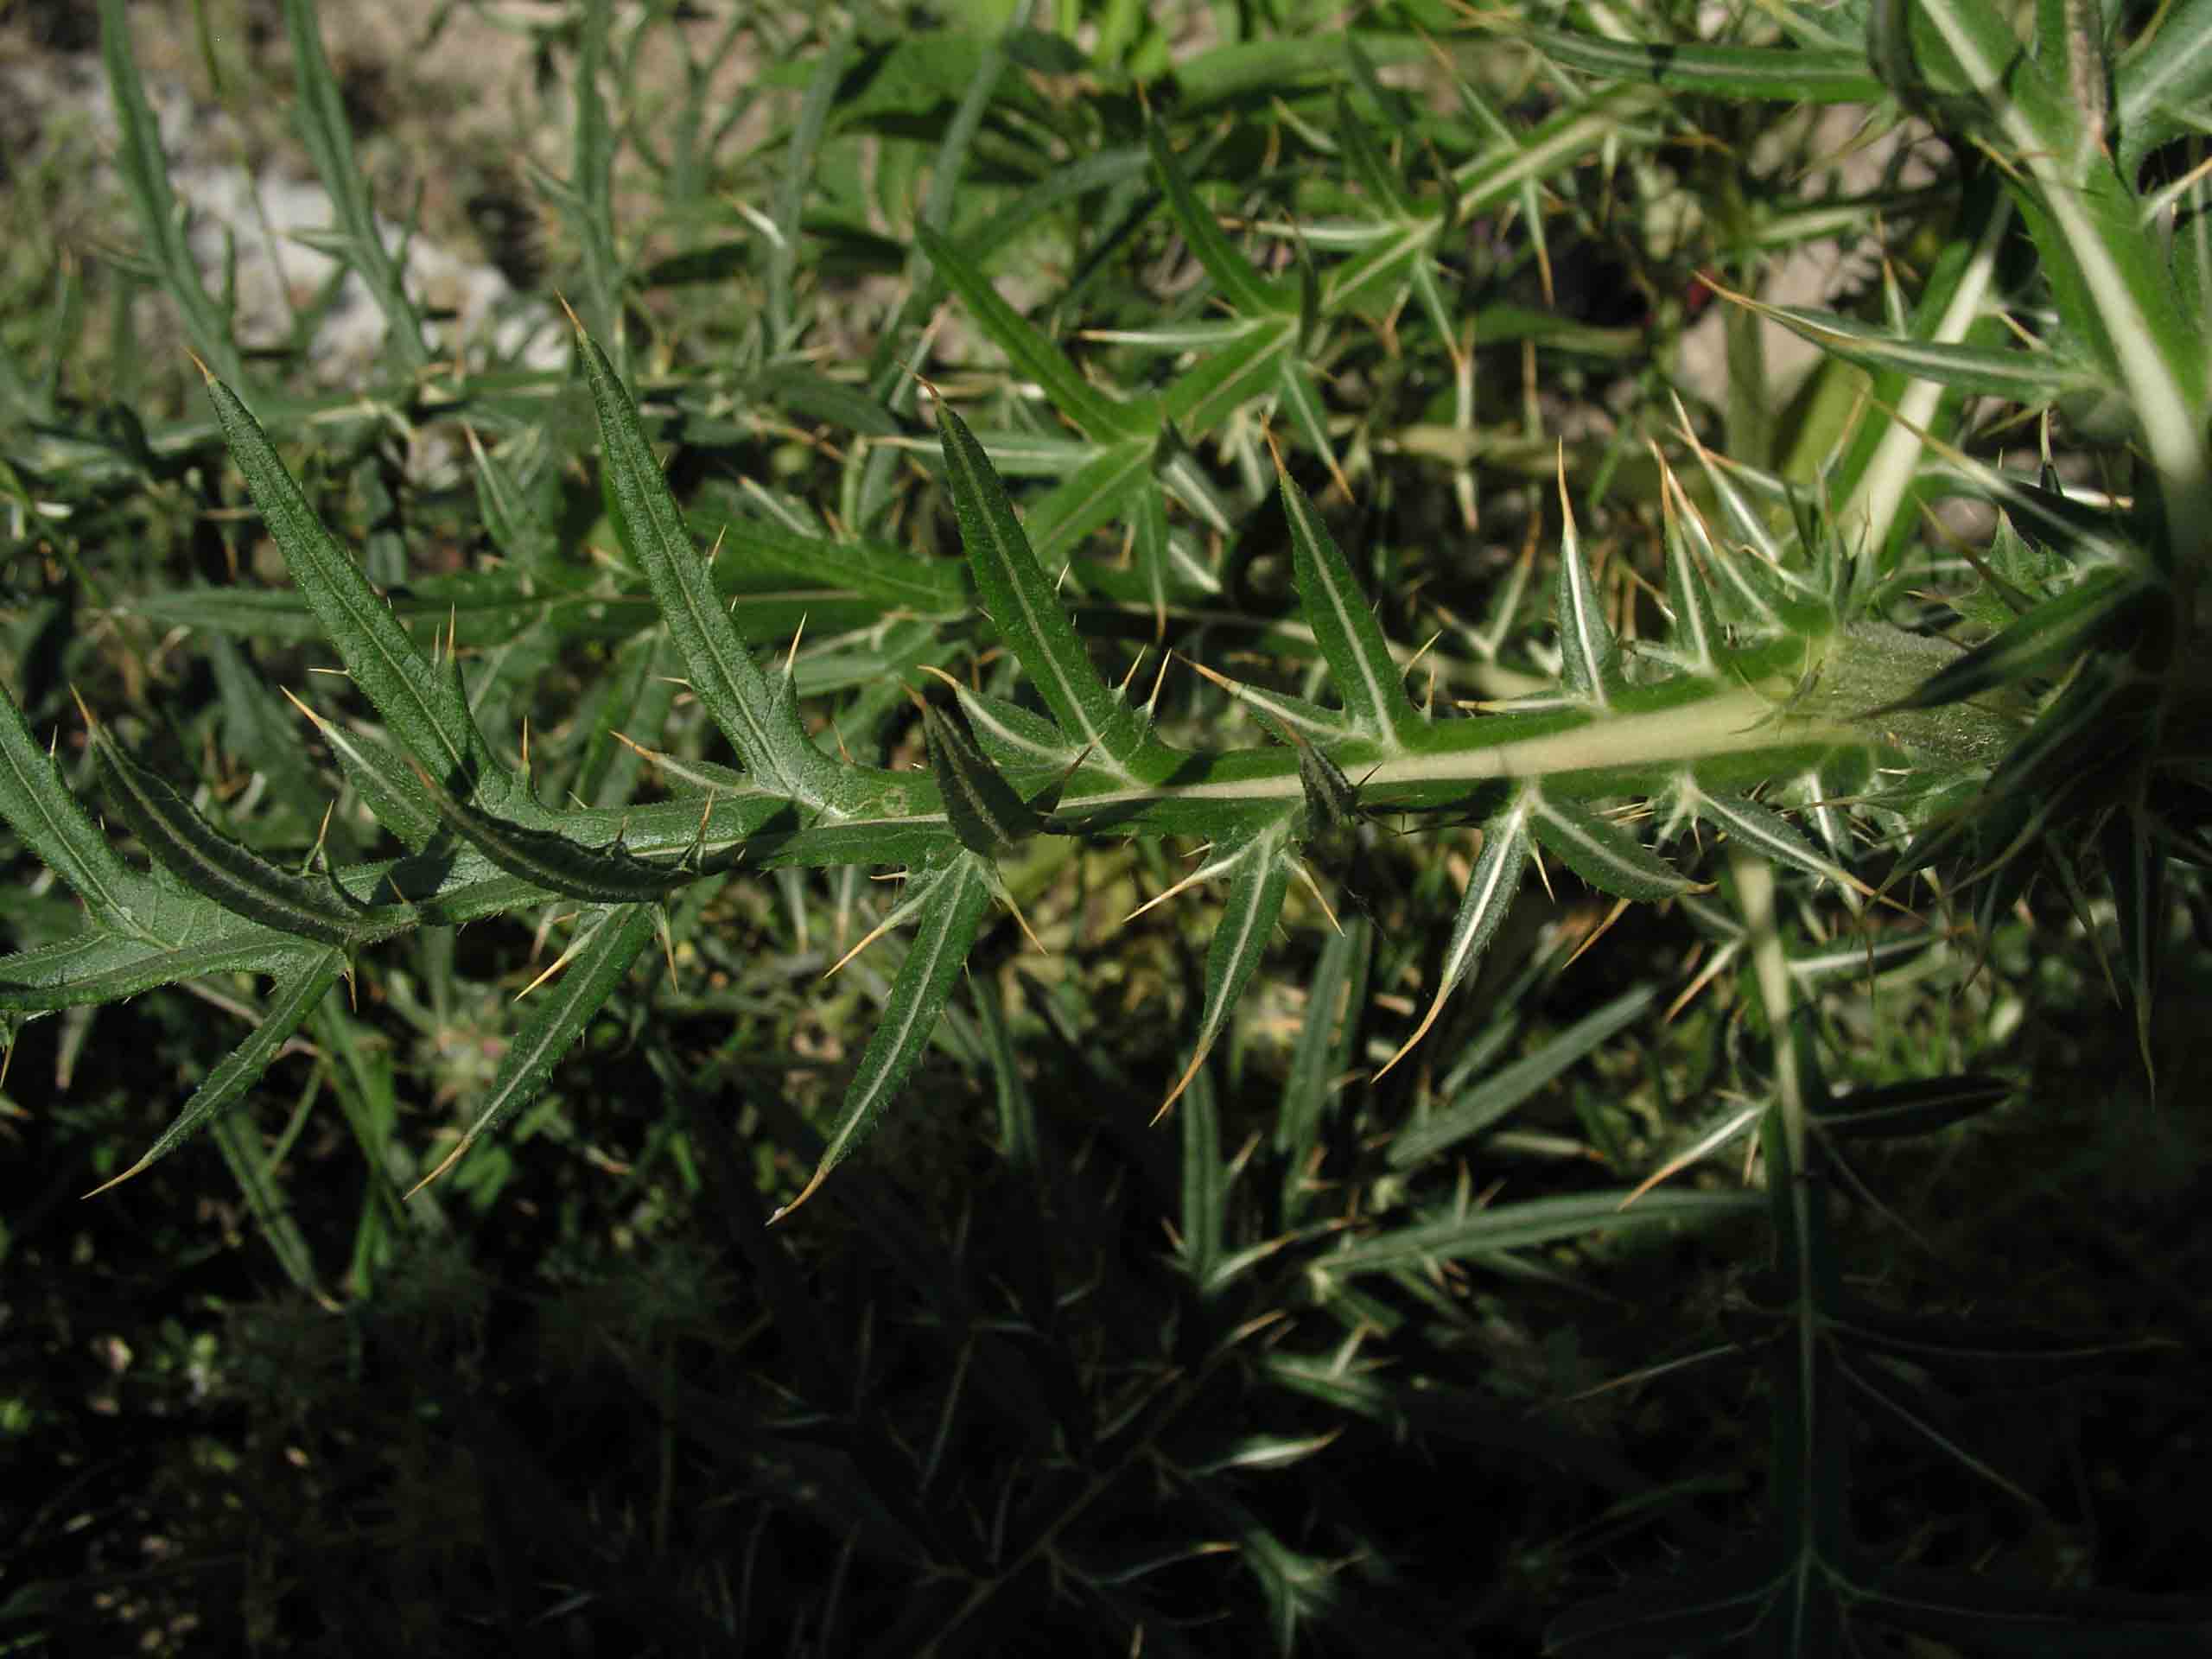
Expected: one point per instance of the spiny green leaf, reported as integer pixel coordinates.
(1097, 493)
(989, 818)
(423, 710)
(1247, 292)
(1783, 74)
(321, 115)
(1695, 635)
(1772, 836)
(1259, 877)
(1331, 800)
(2031, 377)
(949, 914)
(2045, 641)
(596, 964)
(210, 863)
(1241, 369)
(145, 173)
(729, 683)
(1096, 416)
(1608, 858)
(1588, 655)
(34, 799)
(390, 785)
(301, 984)
(1023, 606)
(1366, 676)
(1490, 890)
(604, 875)
(108, 967)
(2162, 86)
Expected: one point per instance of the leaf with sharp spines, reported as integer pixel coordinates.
(1331, 799)
(1696, 631)
(420, 708)
(1588, 656)
(2044, 642)
(1099, 493)
(389, 785)
(1608, 858)
(1316, 723)
(1298, 397)
(95, 967)
(603, 876)
(1015, 739)
(1259, 877)
(1247, 292)
(1099, 416)
(1490, 894)
(949, 914)
(1241, 368)
(211, 864)
(301, 984)
(729, 683)
(595, 965)
(987, 816)
(34, 799)
(1773, 838)
(1024, 607)
(1359, 660)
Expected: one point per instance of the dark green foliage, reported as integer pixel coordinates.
(1699, 1197)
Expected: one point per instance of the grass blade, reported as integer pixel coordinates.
(1498, 1095)
(1519, 1226)
(950, 916)
(1910, 1109)
(161, 221)
(320, 114)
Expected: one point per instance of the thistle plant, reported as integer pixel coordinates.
(1766, 691)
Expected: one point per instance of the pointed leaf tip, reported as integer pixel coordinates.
(116, 1180)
